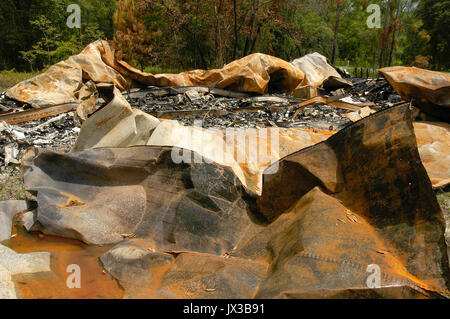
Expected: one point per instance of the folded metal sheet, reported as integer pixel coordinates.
(316, 69)
(373, 187)
(8, 209)
(64, 81)
(116, 124)
(254, 73)
(246, 151)
(72, 80)
(326, 213)
(433, 139)
(430, 90)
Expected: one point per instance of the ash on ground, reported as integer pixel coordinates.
(251, 112)
(375, 90)
(57, 133)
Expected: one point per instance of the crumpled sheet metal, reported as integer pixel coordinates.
(433, 139)
(430, 90)
(116, 123)
(253, 74)
(329, 212)
(8, 209)
(433, 143)
(316, 69)
(119, 125)
(248, 152)
(374, 170)
(144, 192)
(64, 81)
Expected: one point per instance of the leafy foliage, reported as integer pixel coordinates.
(185, 34)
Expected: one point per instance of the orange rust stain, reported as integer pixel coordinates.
(72, 201)
(152, 290)
(317, 131)
(104, 121)
(95, 283)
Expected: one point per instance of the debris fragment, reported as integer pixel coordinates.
(306, 92)
(428, 90)
(360, 114)
(8, 209)
(316, 69)
(12, 263)
(131, 235)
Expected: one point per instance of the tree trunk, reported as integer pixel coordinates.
(250, 35)
(219, 40)
(202, 56)
(236, 35)
(258, 31)
(391, 55)
(336, 29)
(384, 37)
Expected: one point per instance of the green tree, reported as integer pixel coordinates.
(24, 30)
(435, 16)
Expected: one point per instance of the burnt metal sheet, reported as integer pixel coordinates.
(373, 170)
(316, 69)
(45, 111)
(360, 198)
(254, 73)
(8, 209)
(430, 90)
(75, 78)
(70, 80)
(116, 123)
(433, 139)
(434, 147)
(140, 191)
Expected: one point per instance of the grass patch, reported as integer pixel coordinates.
(11, 77)
(11, 184)
(443, 196)
(356, 71)
(159, 70)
